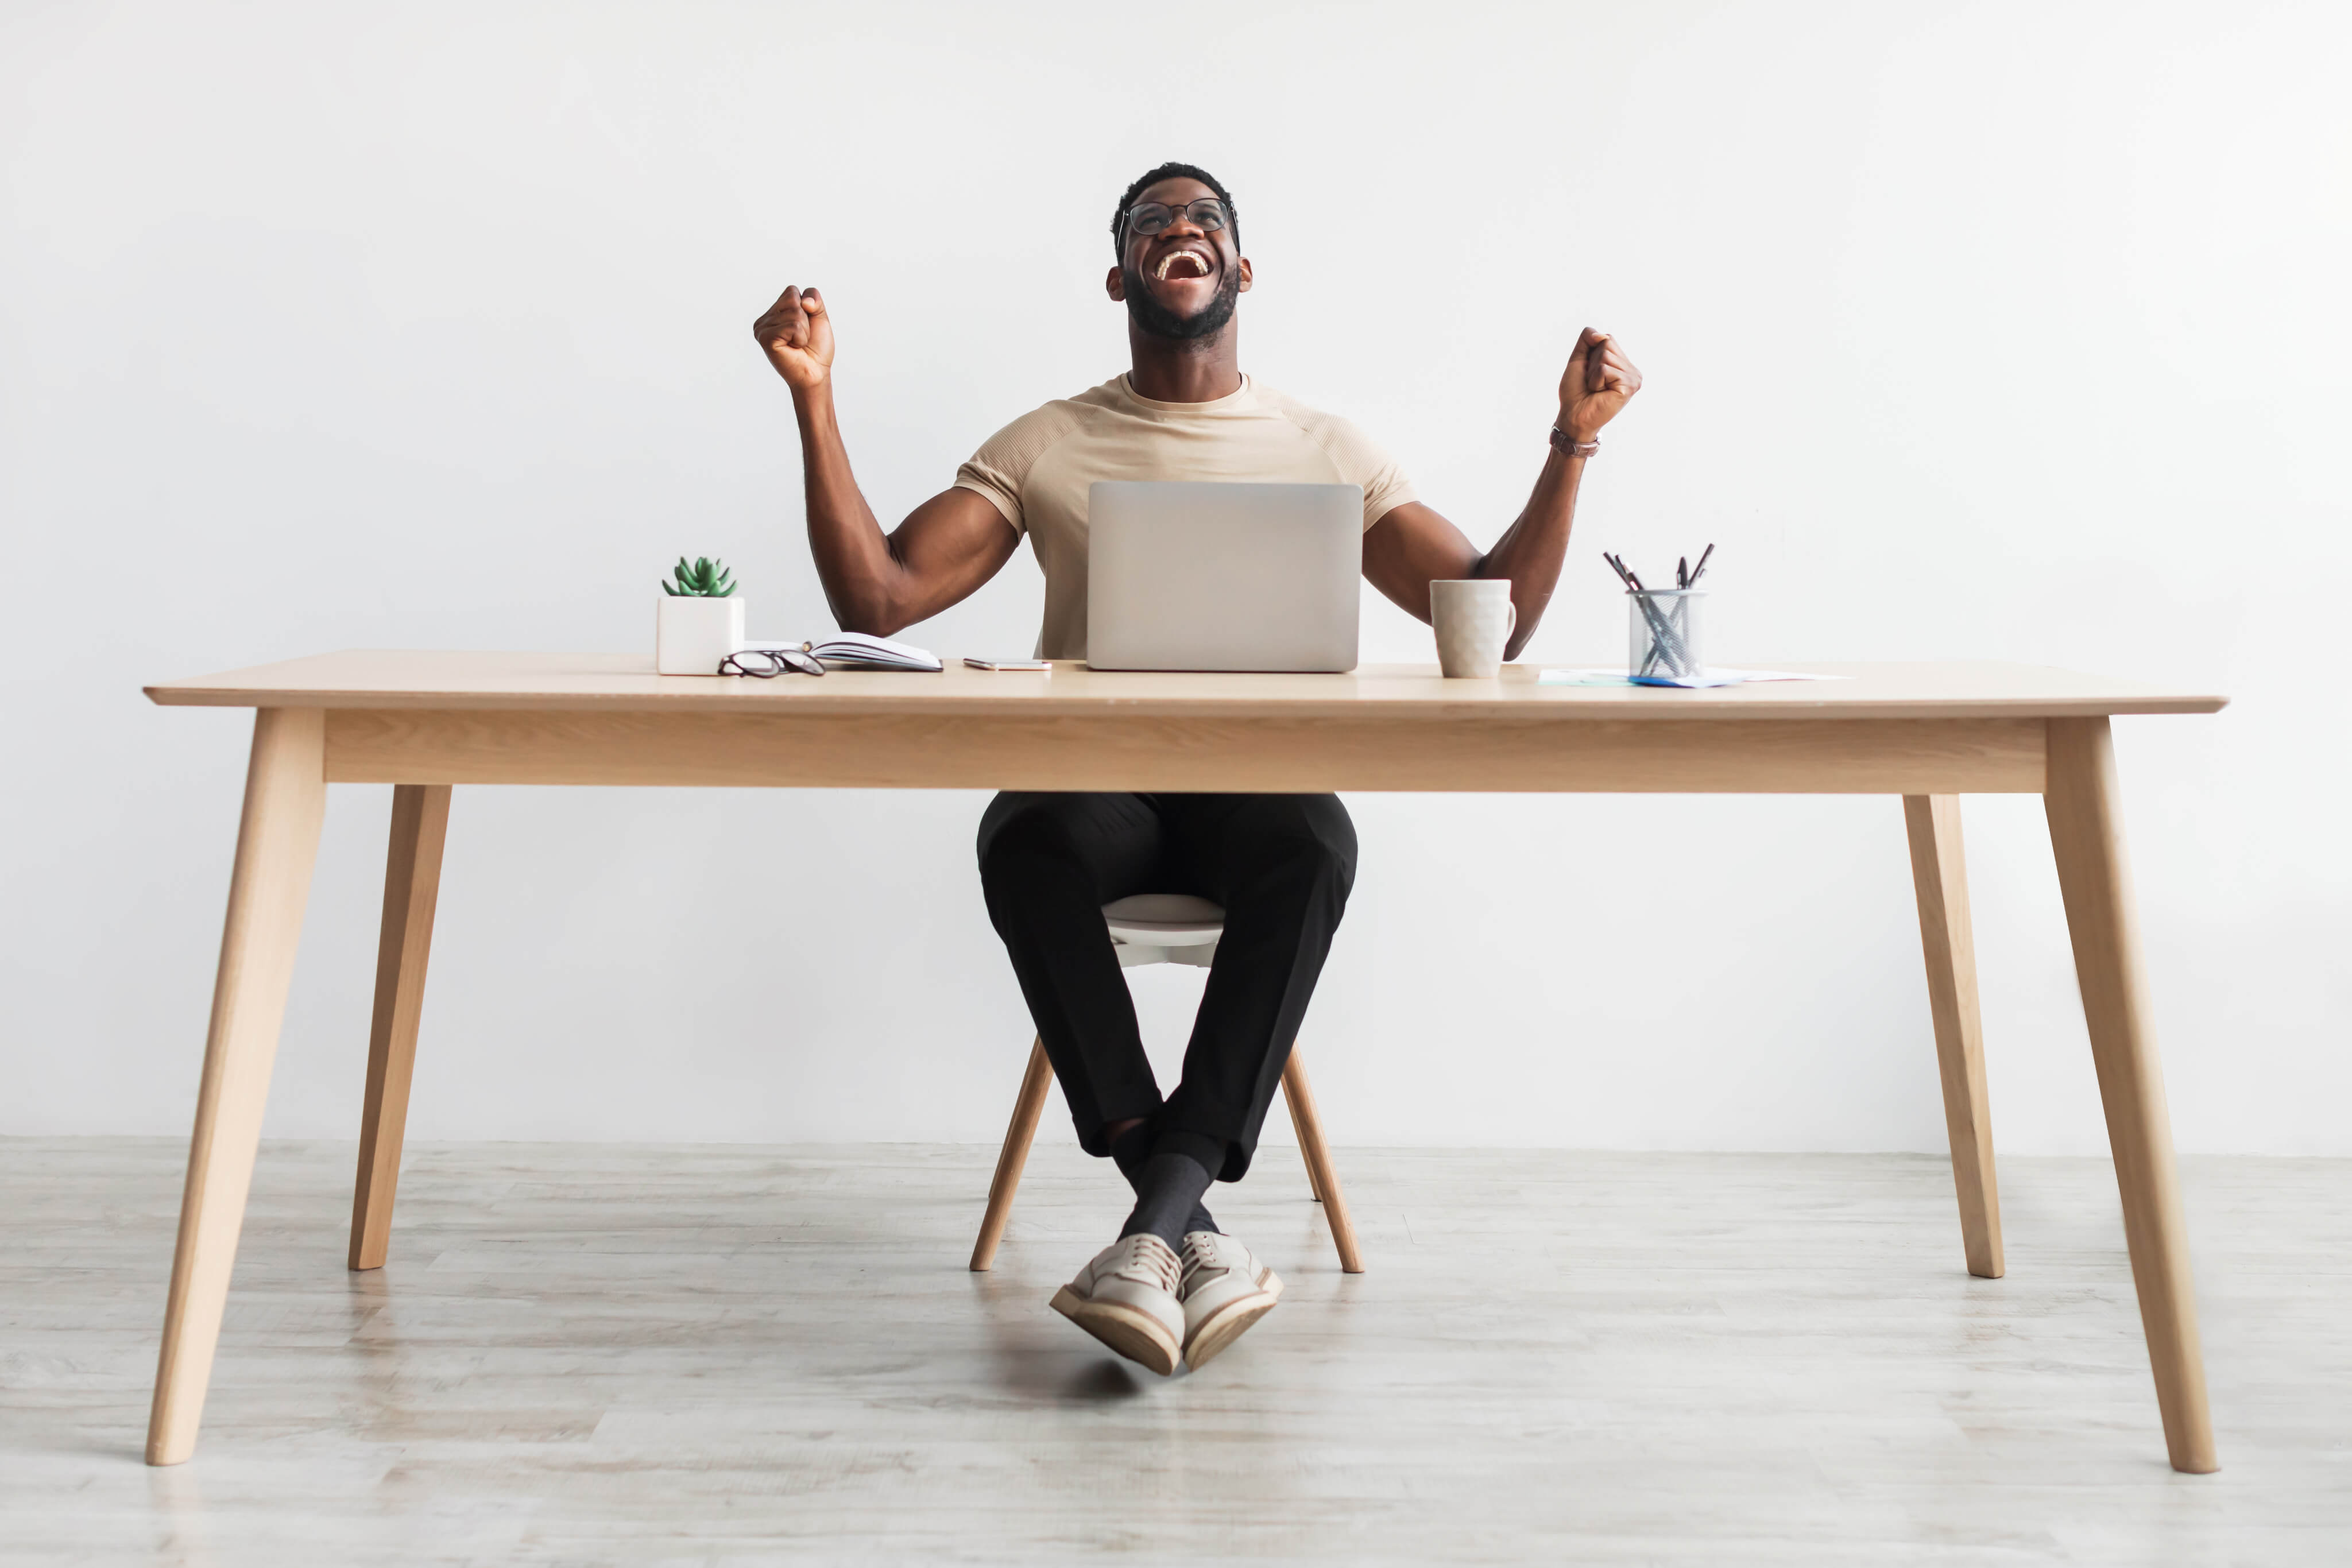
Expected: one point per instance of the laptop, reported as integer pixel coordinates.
(1185, 575)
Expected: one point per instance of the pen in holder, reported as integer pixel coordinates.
(1664, 626)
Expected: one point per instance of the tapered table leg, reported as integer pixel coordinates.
(1940, 876)
(277, 843)
(2086, 834)
(412, 885)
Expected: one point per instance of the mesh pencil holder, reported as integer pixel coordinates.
(1664, 634)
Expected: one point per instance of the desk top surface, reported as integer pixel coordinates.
(379, 678)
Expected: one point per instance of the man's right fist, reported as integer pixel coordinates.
(797, 335)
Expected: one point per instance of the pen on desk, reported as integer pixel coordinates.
(1660, 629)
(1668, 623)
(1664, 638)
(1626, 577)
(1683, 605)
(1666, 635)
(1676, 612)
(1659, 635)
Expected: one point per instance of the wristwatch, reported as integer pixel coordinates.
(1571, 446)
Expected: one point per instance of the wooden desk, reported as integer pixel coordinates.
(427, 721)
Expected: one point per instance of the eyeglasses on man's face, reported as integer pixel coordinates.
(1147, 218)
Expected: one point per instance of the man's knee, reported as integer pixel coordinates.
(1026, 836)
(1308, 835)
(1024, 827)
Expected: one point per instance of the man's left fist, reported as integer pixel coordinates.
(1600, 379)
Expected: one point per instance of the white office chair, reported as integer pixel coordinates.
(1163, 928)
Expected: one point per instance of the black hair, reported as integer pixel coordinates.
(1152, 177)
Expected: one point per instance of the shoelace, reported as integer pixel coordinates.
(1156, 1264)
(1198, 1257)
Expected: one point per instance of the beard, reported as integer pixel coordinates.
(1146, 311)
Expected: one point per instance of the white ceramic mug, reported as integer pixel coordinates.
(1473, 619)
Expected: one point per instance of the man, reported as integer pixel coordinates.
(1171, 1286)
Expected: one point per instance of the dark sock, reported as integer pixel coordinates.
(1172, 1181)
(1131, 1151)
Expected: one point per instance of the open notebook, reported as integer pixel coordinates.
(857, 650)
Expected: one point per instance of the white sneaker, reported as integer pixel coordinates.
(1225, 1291)
(1126, 1299)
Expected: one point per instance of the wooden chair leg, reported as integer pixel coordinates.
(2094, 876)
(1320, 1175)
(412, 885)
(277, 845)
(1027, 1110)
(1939, 875)
(1306, 1154)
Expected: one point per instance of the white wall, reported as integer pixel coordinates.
(1971, 331)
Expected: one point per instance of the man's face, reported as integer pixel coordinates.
(1183, 281)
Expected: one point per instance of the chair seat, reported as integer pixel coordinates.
(1164, 920)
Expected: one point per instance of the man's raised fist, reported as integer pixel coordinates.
(1598, 383)
(797, 336)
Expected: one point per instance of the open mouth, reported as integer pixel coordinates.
(1179, 264)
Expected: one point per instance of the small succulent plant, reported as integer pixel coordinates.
(706, 578)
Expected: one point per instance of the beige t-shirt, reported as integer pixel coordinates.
(1037, 469)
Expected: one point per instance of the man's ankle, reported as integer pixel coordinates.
(1167, 1197)
(1130, 1148)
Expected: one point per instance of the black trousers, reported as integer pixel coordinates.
(1280, 864)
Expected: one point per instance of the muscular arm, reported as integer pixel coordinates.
(1414, 545)
(875, 582)
(879, 584)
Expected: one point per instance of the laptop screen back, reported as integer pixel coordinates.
(1188, 575)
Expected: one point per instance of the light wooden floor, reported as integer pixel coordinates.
(641, 1355)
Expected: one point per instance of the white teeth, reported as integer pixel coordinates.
(1199, 262)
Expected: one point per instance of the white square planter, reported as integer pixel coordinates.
(691, 635)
